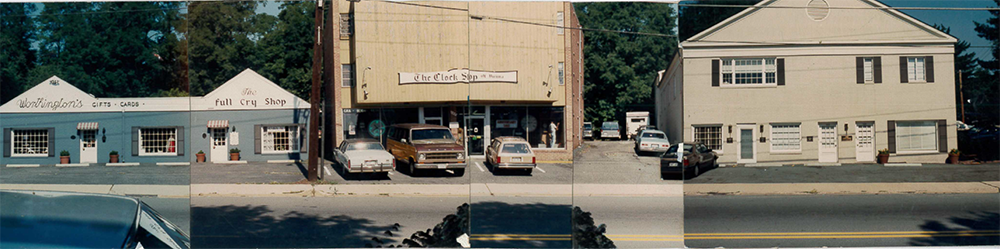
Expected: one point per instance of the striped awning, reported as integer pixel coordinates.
(218, 124)
(86, 126)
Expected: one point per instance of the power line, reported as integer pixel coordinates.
(830, 7)
(567, 27)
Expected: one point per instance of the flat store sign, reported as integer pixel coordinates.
(458, 76)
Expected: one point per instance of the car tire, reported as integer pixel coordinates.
(413, 167)
(697, 171)
(528, 171)
(459, 172)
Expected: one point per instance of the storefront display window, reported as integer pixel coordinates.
(371, 123)
(278, 139)
(157, 141)
(535, 124)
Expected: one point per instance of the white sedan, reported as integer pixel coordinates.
(364, 156)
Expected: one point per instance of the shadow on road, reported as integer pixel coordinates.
(255, 227)
(505, 172)
(527, 221)
(985, 224)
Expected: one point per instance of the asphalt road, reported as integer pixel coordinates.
(175, 210)
(851, 173)
(98, 174)
(638, 222)
(521, 222)
(842, 220)
(268, 222)
(614, 162)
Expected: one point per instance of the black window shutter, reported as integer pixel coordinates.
(256, 139)
(942, 126)
(903, 78)
(781, 72)
(302, 134)
(135, 141)
(892, 136)
(929, 68)
(715, 72)
(52, 142)
(180, 140)
(877, 68)
(6, 142)
(859, 63)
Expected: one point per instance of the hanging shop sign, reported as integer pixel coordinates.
(458, 76)
(507, 123)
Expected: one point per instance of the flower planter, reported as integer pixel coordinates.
(234, 156)
(63, 159)
(952, 158)
(883, 158)
(114, 158)
(200, 157)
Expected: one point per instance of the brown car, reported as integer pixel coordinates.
(423, 146)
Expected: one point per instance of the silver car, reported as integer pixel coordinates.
(588, 130)
(651, 141)
(364, 156)
(609, 130)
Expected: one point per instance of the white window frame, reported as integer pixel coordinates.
(916, 69)
(562, 73)
(560, 21)
(346, 25)
(267, 137)
(785, 131)
(731, 69)
(900, 137)
(13, 140)
(694, 136)
(869, 69)
(347, 75)
(142, 149)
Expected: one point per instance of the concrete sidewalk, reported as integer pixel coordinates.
(841, 188)
(159, 191)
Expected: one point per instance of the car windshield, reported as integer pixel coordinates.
(653, 135)
(364, 146)
(588, 127)
(517, 148)
(609, 126)
(673, 148)
(432, 134)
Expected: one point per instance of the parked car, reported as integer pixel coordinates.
(588, 130)
(609, 130)
(49, 219)
(364, 156)
(510, 153)
(651, 141)
(425, 146)
(692, 160)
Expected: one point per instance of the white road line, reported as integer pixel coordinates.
(390, 172)
(540, 169)
(327, 170)
(480, 166)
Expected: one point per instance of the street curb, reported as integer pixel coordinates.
(120, 164)
(23, 165)
(160, 191)
(628, 190)
(73, 165)
(437, 190)
(842, 188)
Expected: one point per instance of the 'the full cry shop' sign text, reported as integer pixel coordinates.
(458, 76)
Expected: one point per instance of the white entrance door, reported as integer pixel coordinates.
(828, 142)
(220, 145)
(746, 151)
(865, 142)
(88, 146)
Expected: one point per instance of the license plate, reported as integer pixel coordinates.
(442, 166)
(515, 159)
(673, 164)
(371, 163)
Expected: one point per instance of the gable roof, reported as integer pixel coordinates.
(248, 90)
(781, 22)
(55, 95)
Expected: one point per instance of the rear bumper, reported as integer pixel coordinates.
(516, 166)
(371, 169)
(669, 168)
(441, 165)
(652, 149)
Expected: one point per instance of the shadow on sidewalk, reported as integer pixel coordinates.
(985, 224)
(256, 227)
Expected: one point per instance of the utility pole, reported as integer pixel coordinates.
(961, 95)
(314, 117)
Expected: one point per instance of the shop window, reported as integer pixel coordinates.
(371, 123)
(279, 139)
(543, 127)
(711, 136)
(30, 142)
(916, 136)
(157, 141)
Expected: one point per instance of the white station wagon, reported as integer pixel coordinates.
(364, 156)
(510, 153)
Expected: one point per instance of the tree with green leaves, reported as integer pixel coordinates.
(16, 55)
(287, 49)
(620, 72)
(222, 37)
(111, 49)
(983, 94)
(965, 62)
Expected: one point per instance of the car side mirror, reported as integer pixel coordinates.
(403, 140)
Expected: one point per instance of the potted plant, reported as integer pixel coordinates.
(953, 156)
(113, 156)
(883, 156)
(234, 154)
(200, 156)
(64, 157)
